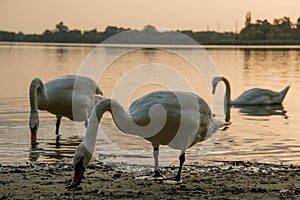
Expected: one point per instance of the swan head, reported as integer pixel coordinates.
(215, 82)
(82, 158)
(33, 125)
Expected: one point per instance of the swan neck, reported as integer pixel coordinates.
(37, 94)
(227, 108)
(124, 121)
(227, 98)
(118, 113)
(120, 116)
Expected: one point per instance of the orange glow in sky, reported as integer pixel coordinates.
(35, 16)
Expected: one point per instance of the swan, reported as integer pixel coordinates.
(177, 119)
(57, 96)
(255, 96)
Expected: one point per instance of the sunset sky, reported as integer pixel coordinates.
(35, 16)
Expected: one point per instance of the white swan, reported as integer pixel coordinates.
(57, 97)
(176, 119)
(255, 96)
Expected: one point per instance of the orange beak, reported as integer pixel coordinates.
(78, 175)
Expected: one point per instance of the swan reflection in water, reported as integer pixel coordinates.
(58, 149)
(261, 110)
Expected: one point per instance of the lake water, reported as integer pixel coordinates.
(263, 134)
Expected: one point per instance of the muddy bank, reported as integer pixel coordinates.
(222, 180)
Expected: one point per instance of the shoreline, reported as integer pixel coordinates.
(246, 46)
(225, 180)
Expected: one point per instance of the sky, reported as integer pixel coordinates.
(35, 16)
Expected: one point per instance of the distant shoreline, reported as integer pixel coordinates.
(233, 43)
(260, 33)
(153, 46)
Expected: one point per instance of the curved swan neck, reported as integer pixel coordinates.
(118, 113)
(36, 91)
(124, 121)
(227, 97)
(121, 118)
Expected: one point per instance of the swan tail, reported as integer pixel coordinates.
(283, 93)
(98, 95)
(285, 90)
(98, 98)
(215, 125)
(220, 124)
(98, 91)
(226, 123)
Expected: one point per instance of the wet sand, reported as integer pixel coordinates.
(221, 180)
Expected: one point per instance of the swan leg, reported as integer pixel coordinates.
(58, 120)
(157, 172)
(181, 159)
(57, 144)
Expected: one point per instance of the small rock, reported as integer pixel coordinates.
(18, 171)
(182, 187)
(263, 182)
(78, 188)
(286, 192)
(66, 193)
(117, 175)
(92, 191)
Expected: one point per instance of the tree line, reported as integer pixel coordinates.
(281, 31)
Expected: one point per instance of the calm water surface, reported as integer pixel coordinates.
(264, 134)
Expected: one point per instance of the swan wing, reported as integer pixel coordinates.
(71, 96)
(257, 96)
(188, 117)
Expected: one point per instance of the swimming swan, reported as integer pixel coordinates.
(255, 96)
(177, 119)
(58, 95)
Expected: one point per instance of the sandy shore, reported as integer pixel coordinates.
(223, 180)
